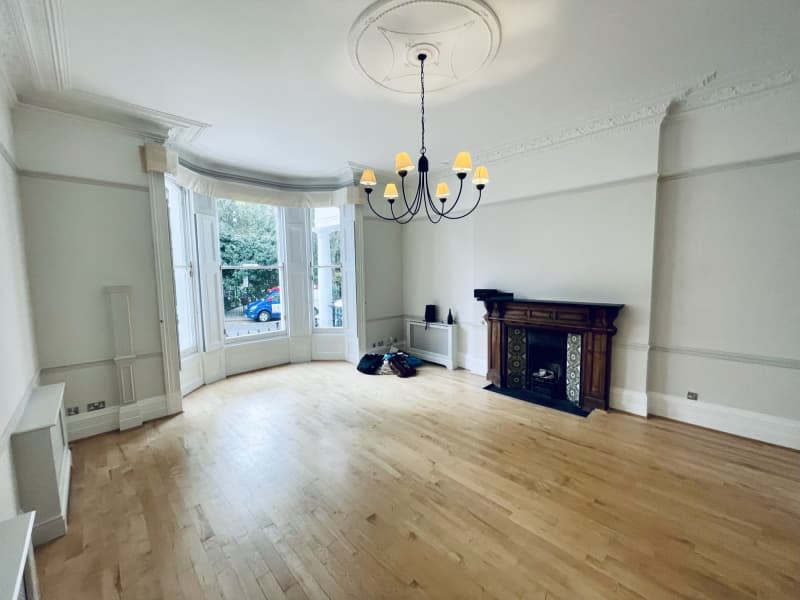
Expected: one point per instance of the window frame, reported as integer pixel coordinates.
(280, 230)
(311, 266)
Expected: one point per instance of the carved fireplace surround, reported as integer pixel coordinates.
(589, 328)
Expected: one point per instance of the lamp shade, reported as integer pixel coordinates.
(402, 162)
(390, 191)
(368, 178)
(481, 176)
(442, 191)
(462, 163)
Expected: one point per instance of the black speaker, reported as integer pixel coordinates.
(430, 313)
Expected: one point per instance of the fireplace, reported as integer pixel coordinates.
(548, 350)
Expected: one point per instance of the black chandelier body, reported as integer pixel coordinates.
(423, 197)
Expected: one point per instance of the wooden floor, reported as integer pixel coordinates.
(314, 481)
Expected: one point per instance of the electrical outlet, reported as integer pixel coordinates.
(691, 395)
(72, 410)
(95, 406)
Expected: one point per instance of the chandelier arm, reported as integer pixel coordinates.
(470, 211)
(377, 214)
(416, 205)
(452, 206)
(403, 187)
(400, 218)
(411, 211)
(429, 202)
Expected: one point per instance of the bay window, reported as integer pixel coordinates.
(326, 268)
(251, 257)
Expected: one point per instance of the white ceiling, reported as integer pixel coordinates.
(275, 82)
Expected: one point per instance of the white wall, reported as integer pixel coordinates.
(18, 366)
(726, 318)
(383, 281)
(585, 236)
(697, 236)
(593, 245)
(86, 211)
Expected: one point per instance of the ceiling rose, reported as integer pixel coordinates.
(459, 37)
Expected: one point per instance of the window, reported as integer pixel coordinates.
(326, 267)
(252, 268)
(181, 240)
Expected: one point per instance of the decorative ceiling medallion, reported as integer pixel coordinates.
(459, 37)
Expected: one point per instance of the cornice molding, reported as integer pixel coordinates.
(643, 115)
(705, 92)
(33, 45)
(736, 91)
(59, 57)
(155, 124)
(16, 52)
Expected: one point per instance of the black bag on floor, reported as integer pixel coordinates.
(400, 366)
(370, 363)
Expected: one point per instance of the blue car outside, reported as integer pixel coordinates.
(266, 309)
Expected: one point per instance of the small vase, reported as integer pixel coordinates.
(450, 316)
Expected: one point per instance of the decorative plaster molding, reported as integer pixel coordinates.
(473, 28)
(59, 58)
(732, 93)
(16, 49)
(33, 45)
(155, 124)
(643, 115)
(705, 92)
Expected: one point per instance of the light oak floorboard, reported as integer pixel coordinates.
(314, 481)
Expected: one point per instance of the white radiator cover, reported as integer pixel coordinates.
(434, 342)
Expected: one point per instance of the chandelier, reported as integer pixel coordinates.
(403, 165)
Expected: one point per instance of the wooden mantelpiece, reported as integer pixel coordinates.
(593, 321)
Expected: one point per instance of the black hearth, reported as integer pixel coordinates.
(547, 364)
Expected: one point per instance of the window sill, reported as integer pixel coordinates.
(258, 337)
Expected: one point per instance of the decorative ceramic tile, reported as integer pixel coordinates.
(574, 367)
(517, 362)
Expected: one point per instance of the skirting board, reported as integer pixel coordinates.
(108, 419)
(472, 363)
(758, 426)
(629, 401)
(49, 530)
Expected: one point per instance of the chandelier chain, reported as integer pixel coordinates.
(422, 102)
